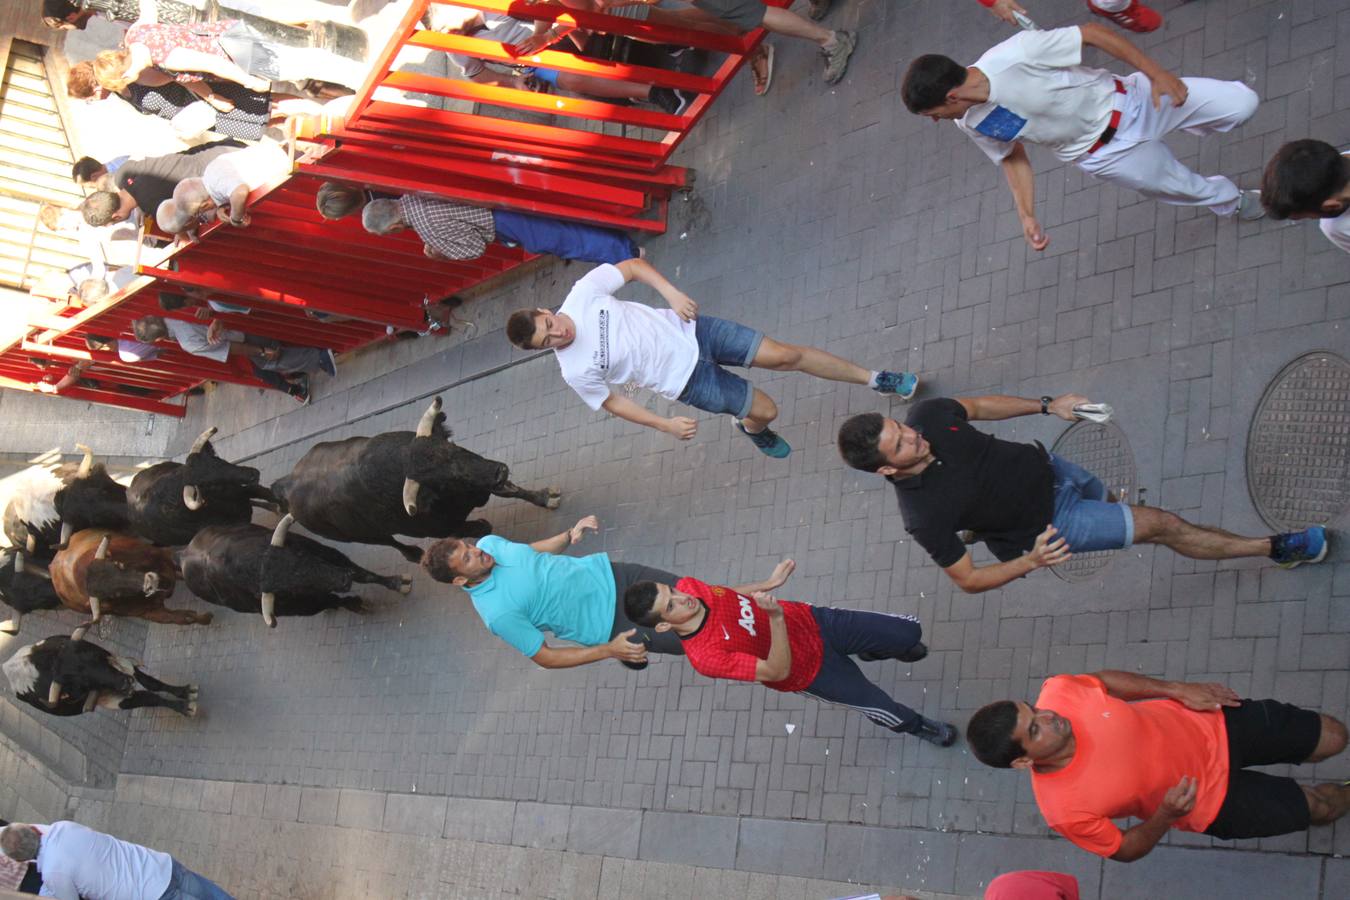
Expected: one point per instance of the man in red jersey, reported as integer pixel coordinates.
(745, 634)
(1178, 759)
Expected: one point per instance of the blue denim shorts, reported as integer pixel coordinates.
(550, 76)
(1083, 517)
(712, 388)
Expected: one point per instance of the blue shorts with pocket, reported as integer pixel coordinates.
(712, 388)
(549, 76)
(1083, 516)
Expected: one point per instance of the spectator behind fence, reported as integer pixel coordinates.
(524, 37)
(451, 230)
(224, 187)
(78, 863)
(281, 367)
(146, 183)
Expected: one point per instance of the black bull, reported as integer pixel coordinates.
(66, 676)
(368, 490)
(170, 502)
(252, 570)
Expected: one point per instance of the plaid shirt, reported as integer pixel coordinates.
(453, 230)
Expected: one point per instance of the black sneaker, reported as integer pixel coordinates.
(935, 732)
(672, 102)
(299, 390)
(635, 666)
(912, 655)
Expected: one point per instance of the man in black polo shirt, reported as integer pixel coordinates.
(146, 183)
(1031, 508)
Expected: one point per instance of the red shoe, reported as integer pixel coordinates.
(1135, 17)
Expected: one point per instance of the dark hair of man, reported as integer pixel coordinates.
(169, 301)
(520, 328)
(98, 342)
(989, 735)
(85, 169)
(859, 441)
(1301, 176)
(928, 80)
(639, 602)
(149, 329)
(58, 9)
(436, 560)
(99, 208)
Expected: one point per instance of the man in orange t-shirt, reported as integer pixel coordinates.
(1175, 760)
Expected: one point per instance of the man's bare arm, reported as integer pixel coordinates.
(1022, 183)
(994, 407)
(1108, 41)
(1049, 550)
(681, 427)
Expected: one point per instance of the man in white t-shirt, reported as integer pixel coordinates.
(225, 185)
(1310, 179)
(77, 862)
(601, 341)
(1034, 88)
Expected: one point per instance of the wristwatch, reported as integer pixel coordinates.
(1045, 405)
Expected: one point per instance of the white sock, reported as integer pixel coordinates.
(872, 381)
(1111, 5)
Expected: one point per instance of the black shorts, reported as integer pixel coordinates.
(1263, 733)
(625, 576)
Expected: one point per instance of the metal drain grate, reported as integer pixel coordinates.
(1298, 449)
(1103, 451)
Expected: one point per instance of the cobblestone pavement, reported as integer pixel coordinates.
(880, 236)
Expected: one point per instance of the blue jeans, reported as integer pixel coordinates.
(185, 884)
(1083, 517)
(565, 240)
(846, 632)
(712, 388)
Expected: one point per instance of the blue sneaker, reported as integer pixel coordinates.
(1297, 547)
(768, 441)
(901, 384)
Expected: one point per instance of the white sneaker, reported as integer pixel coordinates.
(1249, 207)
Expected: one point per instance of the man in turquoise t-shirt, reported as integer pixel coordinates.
(522, 590)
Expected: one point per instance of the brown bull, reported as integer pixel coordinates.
(103, 572)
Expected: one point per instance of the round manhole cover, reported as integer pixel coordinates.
(1103, 451)
(1298, 450)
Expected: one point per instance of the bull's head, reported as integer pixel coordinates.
(203, 469)
(269, 597)
(434, 465)
(111, 580)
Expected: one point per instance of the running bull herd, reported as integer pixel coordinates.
(87, 543)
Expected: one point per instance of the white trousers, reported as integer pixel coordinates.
(1137, 157)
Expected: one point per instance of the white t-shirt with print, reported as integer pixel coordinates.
(1337, 230)
(496, 27)
(1041, 93)
(618, 341)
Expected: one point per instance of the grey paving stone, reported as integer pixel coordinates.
(1215, 873)
(361, 809)
(480, 820)
(605, 832)
(790, 848)
(542, 825)
(415, 814)
(689, 839)
(319, 806)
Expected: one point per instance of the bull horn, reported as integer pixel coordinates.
(12, 626)
(192, 497)
(18, 562)
(269, 608)
(429, 419)
(202, 440)
(86, 464)
(410, 489)
(66, 531)
(79, 633)
(95, 608)
(31, 544)
(54, 694)
(151, 583)
(102, 551)
(279, 533)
